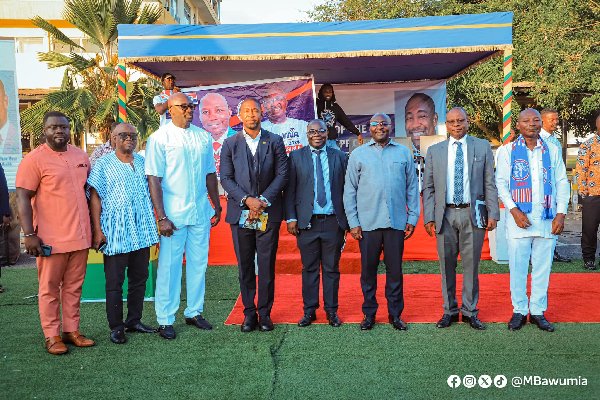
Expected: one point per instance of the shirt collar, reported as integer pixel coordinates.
(248, 137)
(324, 148)
(391, 142)
(463, 140)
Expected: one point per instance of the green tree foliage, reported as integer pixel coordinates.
(556, 50)
(88, 94)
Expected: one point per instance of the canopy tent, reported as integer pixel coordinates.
(408, 49)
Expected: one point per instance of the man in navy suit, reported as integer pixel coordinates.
(254, 172)
(315, 214)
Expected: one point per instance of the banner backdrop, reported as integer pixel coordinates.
(10, 128)
(288, 106)
(416, 108)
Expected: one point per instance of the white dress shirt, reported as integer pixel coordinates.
(452, 147)
(183, 158)
(560, 190)
(252, 143)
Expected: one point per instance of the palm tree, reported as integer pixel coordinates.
(88, 93)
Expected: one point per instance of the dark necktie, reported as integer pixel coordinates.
(458, 175)
(321, 197)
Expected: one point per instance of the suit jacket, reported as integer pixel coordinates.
(235, 174)
(480, 161)
(299, 194)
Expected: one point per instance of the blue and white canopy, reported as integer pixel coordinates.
(388, 50)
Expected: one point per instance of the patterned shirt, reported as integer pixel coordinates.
(100, 151)
(127, 217)
(587, 170)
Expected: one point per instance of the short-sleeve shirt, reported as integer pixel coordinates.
(182, 158)
(293, 132)
(127, 217)
(162, 98)
(60, 210)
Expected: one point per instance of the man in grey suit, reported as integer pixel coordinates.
(459, 173)
(315, 214)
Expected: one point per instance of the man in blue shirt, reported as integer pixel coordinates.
(123, 218)
(315, 215)
(381, 197)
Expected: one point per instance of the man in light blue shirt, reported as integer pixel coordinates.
(534, 188)
(381, 198)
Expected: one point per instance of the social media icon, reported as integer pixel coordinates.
(485, 381)
(469, 381)
(500, 381)
(454, 381)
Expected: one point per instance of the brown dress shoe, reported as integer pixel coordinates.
(55, 345)
(77, 339)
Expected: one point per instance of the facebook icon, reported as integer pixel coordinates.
(454, 381)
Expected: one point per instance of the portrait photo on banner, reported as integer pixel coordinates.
(288, 105)
(360, 102)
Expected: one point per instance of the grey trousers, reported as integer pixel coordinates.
(459, 235)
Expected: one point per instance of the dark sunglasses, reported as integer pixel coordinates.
(382, 123)
(125, 135)
(185, 107)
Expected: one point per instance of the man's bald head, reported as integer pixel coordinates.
(123, 127)
(178, 98)
(529, 112)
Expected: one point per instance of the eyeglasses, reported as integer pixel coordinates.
(381, 123)
(185, 107)
(313, 132)
(125, 135)
(272, 100)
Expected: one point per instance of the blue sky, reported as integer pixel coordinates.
(265, 11)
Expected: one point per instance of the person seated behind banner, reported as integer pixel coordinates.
(160, 100)
(331, 112)
(291, 130)
(420, 119)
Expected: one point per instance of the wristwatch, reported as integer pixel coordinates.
(243, 202)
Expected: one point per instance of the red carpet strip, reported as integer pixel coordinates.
(572, 297)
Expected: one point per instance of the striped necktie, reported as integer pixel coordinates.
(458, 175)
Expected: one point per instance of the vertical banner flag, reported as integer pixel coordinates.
(507, 92)
(10, 128)
(122, 94)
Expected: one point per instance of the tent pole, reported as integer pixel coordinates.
(507, 92)
(122, 93)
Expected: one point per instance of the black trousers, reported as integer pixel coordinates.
(392, 243)
(247, 243)
(136, 263)
(321, 246)
(590, 220)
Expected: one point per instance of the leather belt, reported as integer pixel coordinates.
(465, 205)
(323, 216)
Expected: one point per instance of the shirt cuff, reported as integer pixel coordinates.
(509, 205)
(413, 220)
(263, 198)
(562, 208)
(291, 220)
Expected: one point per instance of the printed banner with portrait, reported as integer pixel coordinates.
(10, 129)
(415, 108)
(288, 105)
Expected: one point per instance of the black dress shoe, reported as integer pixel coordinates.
(367, 323)
(265, 324)
(141, 328)
(447, 320)
(199, 322)
(516, 321)
(541, 322)
(306, 320)
(167, 331)
(559, 258)
(590, 265)
(397, 323)
(250, 323)
(474, 322)
(333, 319)
(118, 336)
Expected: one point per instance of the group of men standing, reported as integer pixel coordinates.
(320, 193)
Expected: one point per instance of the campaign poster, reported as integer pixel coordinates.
(288, 105)
(10, 128)
(415, 108)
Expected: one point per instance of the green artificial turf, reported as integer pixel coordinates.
(318, 362)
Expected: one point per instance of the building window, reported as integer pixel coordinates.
(30, 45)
(187, 14)
(173, 8)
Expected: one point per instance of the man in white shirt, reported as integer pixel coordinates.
(181, 172)
(532, 182)
(293, 131)
(549, 124)
(160, 100)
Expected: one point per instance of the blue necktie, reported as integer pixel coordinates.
(458, 175)
(321, 197)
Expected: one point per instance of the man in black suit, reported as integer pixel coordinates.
(254, 172)
(315, 214)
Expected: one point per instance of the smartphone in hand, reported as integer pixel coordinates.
(102, 247)
(46, 250)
